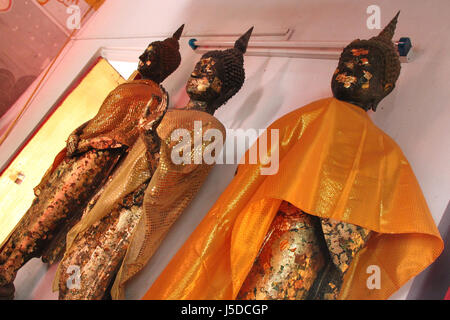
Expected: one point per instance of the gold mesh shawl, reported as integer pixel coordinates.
(120, 112)
(117, 117)
(170, 190)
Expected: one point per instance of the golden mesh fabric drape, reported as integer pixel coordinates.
(170, 190)
(116, 119)
(334, 163)
(26, 170)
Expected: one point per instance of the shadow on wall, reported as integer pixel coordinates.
(249, 105)
(272, 103)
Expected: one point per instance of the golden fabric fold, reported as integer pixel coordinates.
(333, 163)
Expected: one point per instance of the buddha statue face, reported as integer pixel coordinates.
(218, 76)
(148, 65)
(204, 83)
(359, 76)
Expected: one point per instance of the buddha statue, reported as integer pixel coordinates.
(366, 73)
(91, 154)
(115, 239)
(343, 218)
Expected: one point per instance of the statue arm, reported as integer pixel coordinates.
(98, 143)
(74, 138)
(109, 116)
(73, 146)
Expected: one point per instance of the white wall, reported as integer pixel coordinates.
(416, 114)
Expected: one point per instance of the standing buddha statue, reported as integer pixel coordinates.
(91, 154)
(117, 237)
(325, 247)
(343, 218)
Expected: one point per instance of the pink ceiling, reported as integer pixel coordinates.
(31, 34)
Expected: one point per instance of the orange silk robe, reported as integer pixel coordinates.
(333, 163)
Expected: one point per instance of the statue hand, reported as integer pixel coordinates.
(74, 139)
(151, 118)
(99, 143)
(72, 144)
(149, 122)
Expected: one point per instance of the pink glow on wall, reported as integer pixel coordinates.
(32, 33)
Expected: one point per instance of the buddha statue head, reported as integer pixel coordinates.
(218, 76)
(161, 58)
(367, 69)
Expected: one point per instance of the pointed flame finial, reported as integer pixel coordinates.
(242, 43)
(178, 33)
(387, 33)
